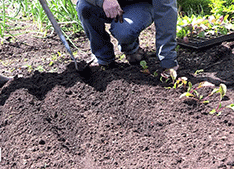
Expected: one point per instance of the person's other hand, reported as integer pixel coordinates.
(113, 10)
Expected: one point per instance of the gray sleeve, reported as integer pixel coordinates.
(96, 2)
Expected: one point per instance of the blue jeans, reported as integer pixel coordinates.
(137, 17)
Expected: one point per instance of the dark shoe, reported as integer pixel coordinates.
(136, 57)
(3, 80)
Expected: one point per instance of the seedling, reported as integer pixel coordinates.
(182, 81)
(155, 74)
(40, 68)
(144, 64)
(51, 63)
(194, 93)
(222, 90)
(145, 67)
(198, 72)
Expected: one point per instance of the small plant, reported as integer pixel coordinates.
(222, 90)
(51, 63)
(155, 74)
(182, 81)
(194, 93)
(145, 67)
(198, 72)
(40, 68)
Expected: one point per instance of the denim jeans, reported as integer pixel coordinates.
(136, 18)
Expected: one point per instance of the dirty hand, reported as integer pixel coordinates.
(112, 9)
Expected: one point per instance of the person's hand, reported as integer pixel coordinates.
(113, 10)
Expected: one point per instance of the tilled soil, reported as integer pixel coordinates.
(51, 116)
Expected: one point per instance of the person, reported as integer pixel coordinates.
(128, 18)
(3, 80)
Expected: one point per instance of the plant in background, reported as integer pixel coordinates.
(222, 7)
(203, 27)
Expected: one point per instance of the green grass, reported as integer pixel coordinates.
(25, 11)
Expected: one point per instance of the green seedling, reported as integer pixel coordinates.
(29, 67)
(155, 74)
(219, 109)
(51, 63)
(144, 64)
(40, 68)
(194, 93)
(198, 72)
(121, 57)
(145, 67)
(164, 81)
(222, 90)
(182, 81)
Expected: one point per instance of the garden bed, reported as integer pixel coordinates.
(51, 117)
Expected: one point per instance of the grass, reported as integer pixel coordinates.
(25, 11)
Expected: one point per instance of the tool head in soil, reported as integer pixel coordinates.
(61, 36)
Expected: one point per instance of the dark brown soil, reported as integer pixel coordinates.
(53, 117)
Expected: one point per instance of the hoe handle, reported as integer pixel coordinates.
(57, 28)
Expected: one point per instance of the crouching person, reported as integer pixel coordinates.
(128, 18)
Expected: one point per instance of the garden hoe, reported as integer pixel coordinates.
(59, 32)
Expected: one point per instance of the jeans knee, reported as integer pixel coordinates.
(84, 11)
(125, 36)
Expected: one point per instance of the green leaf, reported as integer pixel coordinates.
(206, 84)
(231, 106)
(219, 113)
(190, 86)
(212, 111)
(155, 74)
(206, 102)
(223, 90)
(173, 74)
(214, 91)
(143, 64)
(187, 94)
(220, 105)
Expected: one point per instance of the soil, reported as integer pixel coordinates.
(52, 116)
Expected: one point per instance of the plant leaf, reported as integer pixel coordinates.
(214, 91)
(206, 102)
(143, 64)
(187, 94)
(206, 84)
(231, 106)
(219, 113)
(190, 86)
(173, 74)
(212, 111)
(223, 90)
